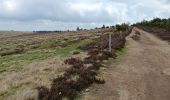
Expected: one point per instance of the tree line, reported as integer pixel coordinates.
(156, 22)
(119, 27)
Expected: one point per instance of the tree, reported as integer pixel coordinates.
(122, 27)
(107, 26)
(78, 29)
(103, 27)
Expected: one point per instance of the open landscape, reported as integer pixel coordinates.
(79, 65)
(84, 50)
(31, 60)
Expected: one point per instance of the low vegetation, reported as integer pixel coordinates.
(121, 51)
(65, 51)
(26, 59)
(16, 62)
(80, 76)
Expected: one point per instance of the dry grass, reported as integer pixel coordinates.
(7, 34)
(21, 85)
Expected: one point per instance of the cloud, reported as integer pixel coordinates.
(64, 14)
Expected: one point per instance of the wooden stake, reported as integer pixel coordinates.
(110, 42)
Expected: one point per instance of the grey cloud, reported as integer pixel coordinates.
(63, 14)
(59, 11)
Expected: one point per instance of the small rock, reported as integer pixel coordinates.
(59, 93)
(87, 90)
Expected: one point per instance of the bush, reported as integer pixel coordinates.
(122, 27)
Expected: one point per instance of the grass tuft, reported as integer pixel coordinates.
(121, 52)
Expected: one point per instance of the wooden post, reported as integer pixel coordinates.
(121, 34)
(110, 42)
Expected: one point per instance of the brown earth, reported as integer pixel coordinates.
(143, 73)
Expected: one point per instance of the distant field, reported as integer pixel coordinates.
(5, 34)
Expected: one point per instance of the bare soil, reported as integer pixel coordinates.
(143, 73)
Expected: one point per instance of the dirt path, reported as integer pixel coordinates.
(143, 73)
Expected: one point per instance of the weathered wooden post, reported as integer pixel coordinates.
(110, 42)
(121, 34)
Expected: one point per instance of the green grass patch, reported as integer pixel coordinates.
(8, 46)
(16, 62)
(121, 51)
(66, 51)
(48, 44)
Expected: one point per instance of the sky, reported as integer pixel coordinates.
(31, 15)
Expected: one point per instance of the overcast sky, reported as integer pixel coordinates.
(32, 15)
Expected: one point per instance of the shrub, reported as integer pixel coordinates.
(122, 27)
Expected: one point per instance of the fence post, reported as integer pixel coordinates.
(110, 42)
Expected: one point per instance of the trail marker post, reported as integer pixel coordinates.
(110, 42)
